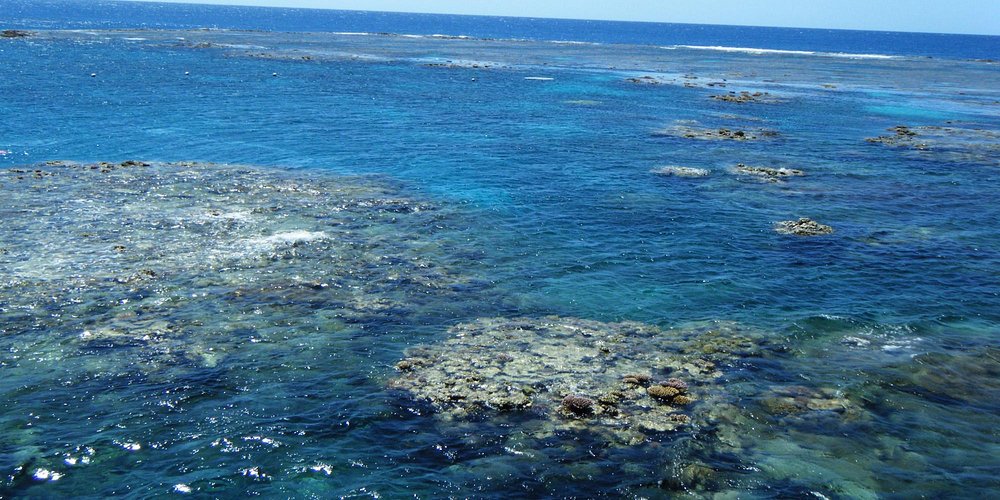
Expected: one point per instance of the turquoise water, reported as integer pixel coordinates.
(221, 329)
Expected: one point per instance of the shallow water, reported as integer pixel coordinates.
(221, 329)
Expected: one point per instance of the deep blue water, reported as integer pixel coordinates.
(536, 156)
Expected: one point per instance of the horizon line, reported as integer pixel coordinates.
(194, 2)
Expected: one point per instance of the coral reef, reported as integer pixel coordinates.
(251, 247)
(571, 374)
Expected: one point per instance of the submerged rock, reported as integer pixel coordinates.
(571, 374)
(766, 174)
(803, 227)
(681, 171)
(971, 376)
(804, 403)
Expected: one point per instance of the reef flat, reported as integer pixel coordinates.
(133, 254)
(619, 380)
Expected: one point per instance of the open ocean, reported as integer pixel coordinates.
(314, 254)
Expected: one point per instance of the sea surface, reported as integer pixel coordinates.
(316, 254)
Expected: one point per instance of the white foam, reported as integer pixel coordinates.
(321, 467)
(573, 42)
(47, 475)
(131, 446)
(539, 78)
(757, 51)
(291, 237)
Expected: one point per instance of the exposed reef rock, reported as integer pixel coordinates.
(15, 34)
(803, 227)
(674, 171)
(710, 134)
(455, 64)
(766, 174)
(646, 80)
(970, 143)
(902, 136)
(620, 381)
(687, 81)
(746, 97)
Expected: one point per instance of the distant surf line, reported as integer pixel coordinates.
(758, 51)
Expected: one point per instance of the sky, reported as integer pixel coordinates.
(934, 16)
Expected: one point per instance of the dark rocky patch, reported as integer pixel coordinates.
(803, 227)
(719, 134)
(766, 174)
(745, 97)
(15, 34)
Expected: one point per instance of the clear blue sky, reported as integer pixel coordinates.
(938, 16)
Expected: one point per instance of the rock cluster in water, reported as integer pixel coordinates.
(687, 81)
(646, 80)
(803, 227)
(951, 143)
(766, 174)
(717, 134)
(745, 97)
(621, 381)
(902, 136)
(466, 65)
